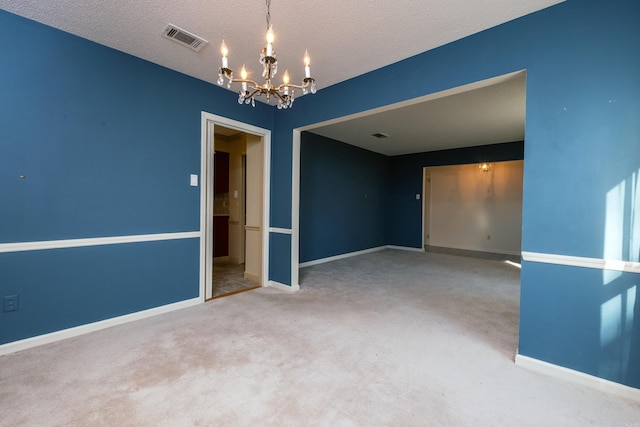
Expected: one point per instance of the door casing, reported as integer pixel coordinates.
(208, 123)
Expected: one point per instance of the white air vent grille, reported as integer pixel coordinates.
(183, 37)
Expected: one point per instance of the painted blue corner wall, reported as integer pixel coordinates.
(353, 199)
(343, 193)
(582, 155)
(106, 143)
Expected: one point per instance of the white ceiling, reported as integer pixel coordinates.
(345, 38)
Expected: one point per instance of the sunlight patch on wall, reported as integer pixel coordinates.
(635, 218)
(613, 229)
(622, 225)
(610, 321)
(616, 328)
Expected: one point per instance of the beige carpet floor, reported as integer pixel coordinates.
(391, 338)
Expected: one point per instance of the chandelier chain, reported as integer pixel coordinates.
(268, 14)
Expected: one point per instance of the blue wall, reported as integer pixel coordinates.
(343, 193)
(353, 199)
(107, 142)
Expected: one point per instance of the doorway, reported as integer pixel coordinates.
(234, 206)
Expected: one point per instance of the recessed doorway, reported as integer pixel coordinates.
(234, 197)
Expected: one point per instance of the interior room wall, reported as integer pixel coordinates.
(476, 210)
(106, 143)
(342, 198)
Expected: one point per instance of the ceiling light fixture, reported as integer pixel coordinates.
(251, 89)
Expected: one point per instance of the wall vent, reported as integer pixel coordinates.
(183, 37)
(380, 135)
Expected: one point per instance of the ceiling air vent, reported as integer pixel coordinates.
(380, 135)
(184, 37)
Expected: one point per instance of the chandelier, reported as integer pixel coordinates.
(250, 89)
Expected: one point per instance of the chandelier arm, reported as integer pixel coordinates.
(280, 96)
(251, 82)
(282, 86)
(253, 93)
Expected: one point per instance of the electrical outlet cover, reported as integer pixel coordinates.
(10, 303)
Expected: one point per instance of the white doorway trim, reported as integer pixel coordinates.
(426, 207)
(295, 211)
(209, 121)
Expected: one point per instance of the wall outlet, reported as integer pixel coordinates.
(10, 303)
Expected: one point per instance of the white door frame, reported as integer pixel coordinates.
(209, 121)
(426, 206)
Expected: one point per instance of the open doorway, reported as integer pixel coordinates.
(443, 128)
(234, 206)
(237, 206)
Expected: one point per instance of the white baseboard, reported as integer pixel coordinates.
(356, 253)
(341, 256)
(39, 340)
(404, 248)
(282, 286)
(577, 377)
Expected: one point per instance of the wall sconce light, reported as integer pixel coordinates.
(484, 167)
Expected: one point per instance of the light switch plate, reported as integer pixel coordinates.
(194, 180)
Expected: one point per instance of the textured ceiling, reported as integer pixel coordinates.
(345, 38)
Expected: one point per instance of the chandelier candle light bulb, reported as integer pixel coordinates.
(225, 52)
(270, 38)
(243, 75)
(285, 81)
(307, 65)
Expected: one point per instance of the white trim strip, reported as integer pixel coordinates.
(356, 253)
(574, 261)
(283, 287)
(405, 248)
(39, 340)
(577, 377)
(341, 256)
(94, 241)
(295, 207)
(280, 230)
